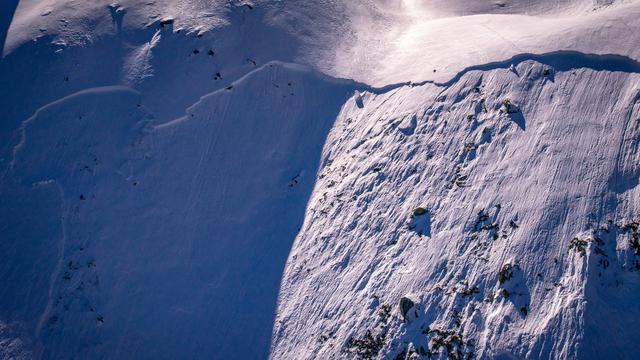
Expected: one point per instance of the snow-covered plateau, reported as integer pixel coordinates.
(319, 179)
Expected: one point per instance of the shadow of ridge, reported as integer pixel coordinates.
(248, 278)
(228, 250)
(251, 285)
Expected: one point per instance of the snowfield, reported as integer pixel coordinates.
(382, 179)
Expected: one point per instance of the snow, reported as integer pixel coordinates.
(152, 216)
(226, 179)
(356, 239)
(441, 46)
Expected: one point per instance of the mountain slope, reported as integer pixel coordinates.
(317, 180)
(184, 225)
(502, 187)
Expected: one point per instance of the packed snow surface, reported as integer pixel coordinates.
(380, 179)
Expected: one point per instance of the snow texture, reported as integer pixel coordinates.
(381, 179)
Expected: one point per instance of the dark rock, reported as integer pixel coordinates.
(406, 305)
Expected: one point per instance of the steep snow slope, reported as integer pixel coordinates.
(162, 239)
(156, 167)
(499, 188)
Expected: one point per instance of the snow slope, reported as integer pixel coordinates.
(197, 179)
(562, 166)
(184, 225)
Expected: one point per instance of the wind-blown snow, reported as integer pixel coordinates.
(197, 179)
(455, 151)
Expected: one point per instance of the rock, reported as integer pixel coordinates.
(166, 21)
(406, 305)
(505, 274)
(509, 107)
(419, 211)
